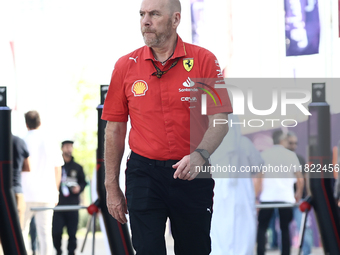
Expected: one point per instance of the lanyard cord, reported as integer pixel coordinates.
(163, 63)
(159, 73)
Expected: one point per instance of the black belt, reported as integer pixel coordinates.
(162, 163)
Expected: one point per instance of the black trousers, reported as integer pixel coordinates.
(286, 216)
(60, 220)
(153, 195)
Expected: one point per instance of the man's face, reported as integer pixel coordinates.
(292, 143)
(67, 149)
(155, 21)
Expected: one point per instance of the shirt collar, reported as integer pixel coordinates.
(179, 50)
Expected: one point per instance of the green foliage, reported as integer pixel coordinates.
(85, 146)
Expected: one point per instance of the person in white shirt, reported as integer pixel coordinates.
(275, 185)
(41, 185)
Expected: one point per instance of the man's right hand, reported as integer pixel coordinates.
(116, 204)
(298, 197)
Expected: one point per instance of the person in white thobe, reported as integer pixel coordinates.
(233, 227)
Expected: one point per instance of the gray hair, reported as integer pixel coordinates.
(278, 136)
(291, 134)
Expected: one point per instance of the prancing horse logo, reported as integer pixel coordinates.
(188, 64)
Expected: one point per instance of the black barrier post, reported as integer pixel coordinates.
(10, 230)
(321, 173)
(117, 234)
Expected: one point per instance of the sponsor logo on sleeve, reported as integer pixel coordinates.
(219, 71)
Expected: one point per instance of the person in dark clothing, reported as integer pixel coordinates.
(292, 145)
(72, 184)
(20, 163)
(33, 235)
(308, 236)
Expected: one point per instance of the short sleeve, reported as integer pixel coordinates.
(24, 150)
(218, 100)
(115, 105)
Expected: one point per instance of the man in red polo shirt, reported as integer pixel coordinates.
(160, 87)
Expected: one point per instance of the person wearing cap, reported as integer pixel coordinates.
(72, 184)
(154, 86)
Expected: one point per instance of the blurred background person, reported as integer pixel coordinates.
(33, 235)
(292, 143)
(20, 163)
(233, 229)
(41, 184)
(277, 187)
(72, 184)
(272, 231)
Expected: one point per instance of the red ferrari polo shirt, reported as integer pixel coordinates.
(161, 109)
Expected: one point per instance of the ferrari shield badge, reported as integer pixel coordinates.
(188, 64)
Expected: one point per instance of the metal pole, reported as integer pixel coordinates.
(10, 230)
(117, 233)
(93, 232)
(278, 205)
(319, 133)
(62, 208)
(302, 230)
(88, 227)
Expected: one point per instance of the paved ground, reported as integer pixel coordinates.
(100, 248)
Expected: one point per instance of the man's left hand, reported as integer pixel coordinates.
(75, 189)
(186, 167)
